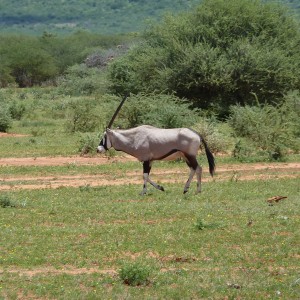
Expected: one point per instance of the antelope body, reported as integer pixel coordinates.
(148, 143)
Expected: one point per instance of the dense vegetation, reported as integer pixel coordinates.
(223, 53)
(30, 61)
(221, 68)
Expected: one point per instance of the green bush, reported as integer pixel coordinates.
(17, 110)
(88, 143)
(164, 111)
(81, 116)
(81, 80)
(216, 134)
(5, 118)
(272, 129)
(5, 201)
(29, 63)
(135, 274)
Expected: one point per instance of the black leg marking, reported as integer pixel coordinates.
(146, 170)
(146, 167)
(194, 167)
(191, 161)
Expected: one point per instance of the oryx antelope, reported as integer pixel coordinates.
(148, 143)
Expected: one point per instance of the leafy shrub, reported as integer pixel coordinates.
(88, 143)
(81, 80)
(5, 201)
(135, 274)
(243, 152)
(81, 116)
(165, 111)
(272, 129)
(216, 134)
(17, 110)
(5, 118)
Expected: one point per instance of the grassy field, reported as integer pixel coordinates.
(105, 241)
(227, 243)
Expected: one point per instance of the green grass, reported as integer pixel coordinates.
(225, 243)
(245, 249)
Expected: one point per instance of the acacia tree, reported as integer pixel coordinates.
(223, 52)
(25, 61)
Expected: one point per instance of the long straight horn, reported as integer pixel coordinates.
(116, 112)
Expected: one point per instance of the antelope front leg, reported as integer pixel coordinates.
(147, 169)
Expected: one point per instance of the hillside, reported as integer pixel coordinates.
(102, 16)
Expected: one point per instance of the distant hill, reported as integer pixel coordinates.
(102, 16)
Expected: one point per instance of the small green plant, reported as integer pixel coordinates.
(81, 116)
(5, 202)
(199, 223)
(135, 274)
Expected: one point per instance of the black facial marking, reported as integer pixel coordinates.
(103, 142)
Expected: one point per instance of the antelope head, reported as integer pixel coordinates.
(105, 143)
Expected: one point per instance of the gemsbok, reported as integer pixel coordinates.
(148, 143)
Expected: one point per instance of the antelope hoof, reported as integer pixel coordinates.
(142, 193)
(161, 188)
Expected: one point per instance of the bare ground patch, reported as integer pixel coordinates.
(238, 172)
(61, 160)
(5, 134)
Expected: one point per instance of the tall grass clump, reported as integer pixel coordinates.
(273, 130)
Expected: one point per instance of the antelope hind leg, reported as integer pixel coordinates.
(194, 167)
(188, 183)
(199, 174)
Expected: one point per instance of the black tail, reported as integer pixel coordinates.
(210, 158)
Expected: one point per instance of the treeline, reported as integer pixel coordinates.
(105, 16)
(28, 61)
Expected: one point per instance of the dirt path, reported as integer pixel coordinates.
(233, 172)
(61, 161)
